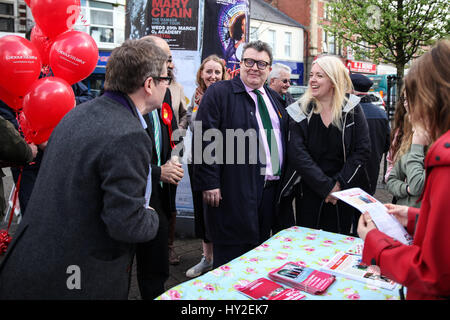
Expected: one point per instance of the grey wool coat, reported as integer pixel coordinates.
(86, 211)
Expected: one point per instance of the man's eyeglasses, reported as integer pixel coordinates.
(167, 79)
(285, 81)
(248, 62)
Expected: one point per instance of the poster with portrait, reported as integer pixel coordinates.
(226, 30)
(176, 21)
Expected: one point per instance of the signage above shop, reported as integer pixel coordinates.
(361, 67)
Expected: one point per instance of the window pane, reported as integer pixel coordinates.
(101, 17)
(253, 34)
(7, 9)
(272, 39)
(102, 34)
(287, 44)
(101, 5)
(331, 44)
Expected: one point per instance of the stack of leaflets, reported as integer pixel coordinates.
(302, 278)
(349, 265)
(264, 289)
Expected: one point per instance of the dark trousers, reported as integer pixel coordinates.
(29, 176)
(152, 262)
(197, 200)
(223, 253)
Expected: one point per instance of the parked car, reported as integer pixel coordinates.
(372, 97)
(297, 91)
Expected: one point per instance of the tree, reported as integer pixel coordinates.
(392, 31)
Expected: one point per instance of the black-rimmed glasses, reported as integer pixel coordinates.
(248, 62)
(167, 79)
(285, 81)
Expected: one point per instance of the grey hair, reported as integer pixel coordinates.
(276, 70)
(259, 46)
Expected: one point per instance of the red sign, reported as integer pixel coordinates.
(361, 67)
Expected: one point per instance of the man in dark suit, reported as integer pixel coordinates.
(239, 187)
(90, 202)
(152, 257)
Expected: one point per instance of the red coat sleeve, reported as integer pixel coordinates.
(424, 266)
(413, 215)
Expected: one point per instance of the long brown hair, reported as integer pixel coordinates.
(401, 134)
(428, 90)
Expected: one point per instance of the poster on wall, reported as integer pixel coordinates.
(176, 21)
(226, 31)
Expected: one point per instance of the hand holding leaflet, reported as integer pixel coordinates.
(377, 211)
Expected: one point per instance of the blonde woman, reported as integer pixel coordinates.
(328, 146)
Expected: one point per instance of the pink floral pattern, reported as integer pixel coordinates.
(307, 247)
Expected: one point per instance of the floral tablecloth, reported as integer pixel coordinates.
(310, 247)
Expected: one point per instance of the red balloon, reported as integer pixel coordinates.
(47, 103)
(55, 16)
(20, 64)
(42, 43)
(73, 56)
(25, 128)
(13, 101)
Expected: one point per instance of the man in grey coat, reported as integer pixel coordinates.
(90, 203)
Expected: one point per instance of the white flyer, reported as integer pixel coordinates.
(383, 220)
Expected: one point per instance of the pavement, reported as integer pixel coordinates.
(189, 249)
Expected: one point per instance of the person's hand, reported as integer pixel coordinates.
(399, 212)
(365, 225)
(172, 172)
(420, 136)
(212, 197)
(330, 198)
(34, 149)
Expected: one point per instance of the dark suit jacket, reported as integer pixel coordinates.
(86, 210)
(227, 105)
(163, 198)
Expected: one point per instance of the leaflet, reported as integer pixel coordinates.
(349, 266)
(383, 220)
(265, 289)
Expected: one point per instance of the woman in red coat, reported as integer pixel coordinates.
(424, 266)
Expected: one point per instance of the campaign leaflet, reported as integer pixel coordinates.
(349, 266)
(364, 202)
(302, 278)
(265, 289)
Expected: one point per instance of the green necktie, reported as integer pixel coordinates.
(271, 140)
(157, 137)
